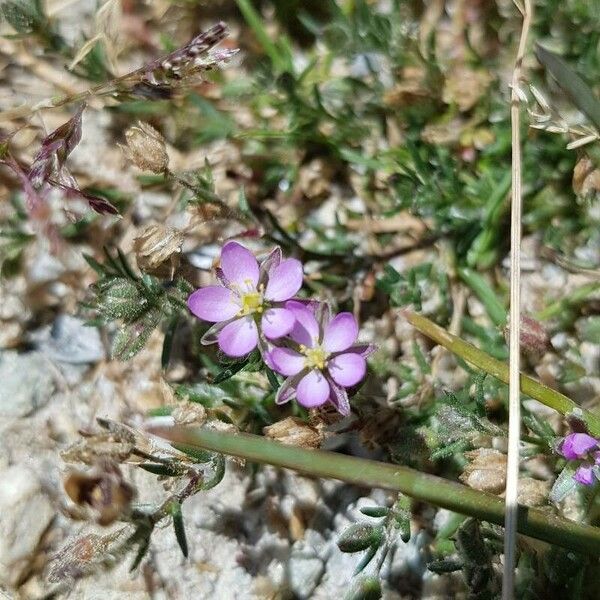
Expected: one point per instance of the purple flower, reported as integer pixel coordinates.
(321, 360)
(578, 446)
(250, 296)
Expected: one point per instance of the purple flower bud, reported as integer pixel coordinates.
(55, 149)
(585, 474)
(577, 445)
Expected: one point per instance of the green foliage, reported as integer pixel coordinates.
(409, 288)
(139, 302)
(27, 17)
(360, 536)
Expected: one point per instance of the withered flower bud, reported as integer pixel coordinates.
(146, 148)
(586, 178)
(486, 471)
(156, 245)
(534, 338)
(102, 491)
(294, 432)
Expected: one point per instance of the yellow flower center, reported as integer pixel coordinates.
(251, 299)
(315, 357)
(251, 302)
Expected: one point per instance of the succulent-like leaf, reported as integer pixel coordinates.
(359, 536)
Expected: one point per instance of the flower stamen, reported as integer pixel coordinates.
(315, 357)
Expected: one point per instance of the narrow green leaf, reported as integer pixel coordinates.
(178, 527)
(375, 511)
(168, 342)
(160, 469)
(577, 89)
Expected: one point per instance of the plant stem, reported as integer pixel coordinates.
(420, 486)
(498, 369)
(514, 343)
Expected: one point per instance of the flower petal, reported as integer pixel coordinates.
(213, 303)
(288, 390)
(277, 322)
(306, 328)
(313, 389)
(347, 369)
(584, 475)
(284, 280)
(239, 337)
(286, 361)
(341, 333)
(339, 398)
(577, 445)
(239, 266)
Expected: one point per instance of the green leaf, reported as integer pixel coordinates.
(360, 536)
(402, 515)
(23, 15)
(375, 511)
(121, 299)
(447, 565)
(160, 469)
(577, 89)
(168, 342)
(589, 329)
(133, 337)
(231, 370)
(199, 455)
(218, 464)
(178, 527)
(365, 588)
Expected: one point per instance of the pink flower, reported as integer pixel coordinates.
(249, 300)
(578, 446)
(321, 360)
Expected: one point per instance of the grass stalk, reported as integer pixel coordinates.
(368, 473)
(498, 369)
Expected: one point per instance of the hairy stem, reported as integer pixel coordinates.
(420, 486)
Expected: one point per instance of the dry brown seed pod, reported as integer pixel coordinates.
(294, 432)
(102, 490)
(146, 148)
(156, 245)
